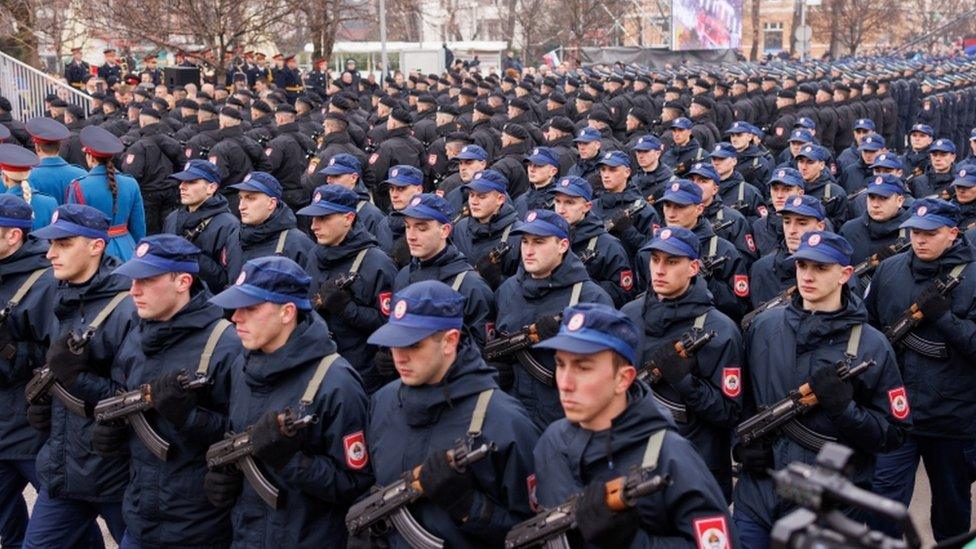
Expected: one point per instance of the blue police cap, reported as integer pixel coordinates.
(159, 254)
(885, 185)
(788, 176)
(541, 156)
(403, 175)
(472, 152)
(965, 178)
(260, 182)
(704, 169)
(871, 142)
(199, 169)
(14, 158)
(922, 128)
(723, 150)
(15, 212)
(587, 135)
(488, 180)
(273, 278)
(72, 220)
(572, 185)
(428, 206)
(589, 328)
(99, 142)
(741, 126)
(929, 214)
(801, 136)
(805, 205)
(942, 145)
(805, 122)
(682, 192)
(682, 123)
(887, 160)
(331, 199)
(47, 130)
(814, 152)
(677, 241)
(824, 247)
(341, 164)
(864, 124)
(648, 143)
(972, 134)
(418, 311)
(543, 223)
(614, 158)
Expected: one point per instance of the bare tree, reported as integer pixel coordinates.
(755, 23)
(531, 16)
(585, 22)
(850, 23)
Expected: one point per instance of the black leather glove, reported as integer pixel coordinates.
(332, 298)
(110, 439)
(171, 400)
(491, 272)
(383, 360)
(932, 304)
(673, 366)
(401, 253)
(833, 394)
(65, 363)
(601, 526)
(39, 416)
(755, 458)
(223, 487)
(448, 489)
(620, 223)
(270, 445)
(546, 326)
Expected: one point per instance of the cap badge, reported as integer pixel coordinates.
(665, 234)
(247, 177)
(962, 173)
(808, 148)
(782, 173)
(535, 151)
(332, 161)
(797, 201)
(814, 240)
(187, 166)
(142, 249)
(240, 278)
(318, 197)
(564, 182)
(531, 217)
(576, 322)
(416, 201)
(922, 210)
(582, 133)
(675, 187)
(477, 175)
(400, 309)
(54, 217)
(878, 180)
(608, 155)
(393, 172)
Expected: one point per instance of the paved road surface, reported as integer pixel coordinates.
(919, 509)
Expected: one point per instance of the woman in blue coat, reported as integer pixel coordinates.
(16, 164)
(115, 194)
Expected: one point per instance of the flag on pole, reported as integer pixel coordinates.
(552, 58)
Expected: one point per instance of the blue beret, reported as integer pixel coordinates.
(160, 254)
(72, 220)
(428, 206)
(198, 169)
(331, 199)
(965, 178)
(342, 164)
(864, 124)
(543, 223)
(922, 128)
(418, 311)
(260, 182)
(804, 122)
(814, 152)
(589, 328)
(824, 247)
(942, 145)
(682, 123)
(801, 136)
(871, 142)
(887, 160)
(274, 279)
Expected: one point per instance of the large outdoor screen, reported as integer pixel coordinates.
(706, 24)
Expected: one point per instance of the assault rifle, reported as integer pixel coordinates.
(777, 301)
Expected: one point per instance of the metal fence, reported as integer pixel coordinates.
(26, 88)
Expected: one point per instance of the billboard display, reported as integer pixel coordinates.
(706, 24)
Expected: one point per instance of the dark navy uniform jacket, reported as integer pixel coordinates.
(163, 503)
(772, 274)
(784, 347)
(931, 183)
(606, 205)
(942, 392)
(536, 198)
(751, 204)
(475, 239)
(767, 232)
(66, 465)
(32, 325)
(407, 424)
(323, 479)
(370, 297)
(836, 203)
(479, 305)
(712, 394)
(754, 166)
(738, 233)
(867, 236)
(262, 240)
(651, 184)
(214, 230)
(610, 267)
(680, 158)
(568, 457)
(521, 300)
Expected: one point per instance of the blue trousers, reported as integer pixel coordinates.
(14, 476)
(63, 523)
(951, 468)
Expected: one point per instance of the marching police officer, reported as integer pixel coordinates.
(651, 174)
(702, 391)
(821, 328)
(768, 231)
(587, 165)
(485, 236)
(398, 148)
(935, 182)
(735, 190)
(288, 156)
(151, 160)
(352, 279)
(291, 366)
(549, 278)
(965, 197)
(28, 288)
(613, 425)
(935, 358)
(268, 225)
(76, 70)
(16, 164)
(204, 219)
(621, 204)
(427, 228)
(346, 170)
(235, 154)
(811, 163)
(727, 222)
(542, 167)
(447, 393)
(880, 225)
(180, 337)
(53, 174)
(95, 314)
(686, 149)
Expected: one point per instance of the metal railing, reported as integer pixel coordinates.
(26, 88)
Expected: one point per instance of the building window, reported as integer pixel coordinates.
(773, 37)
